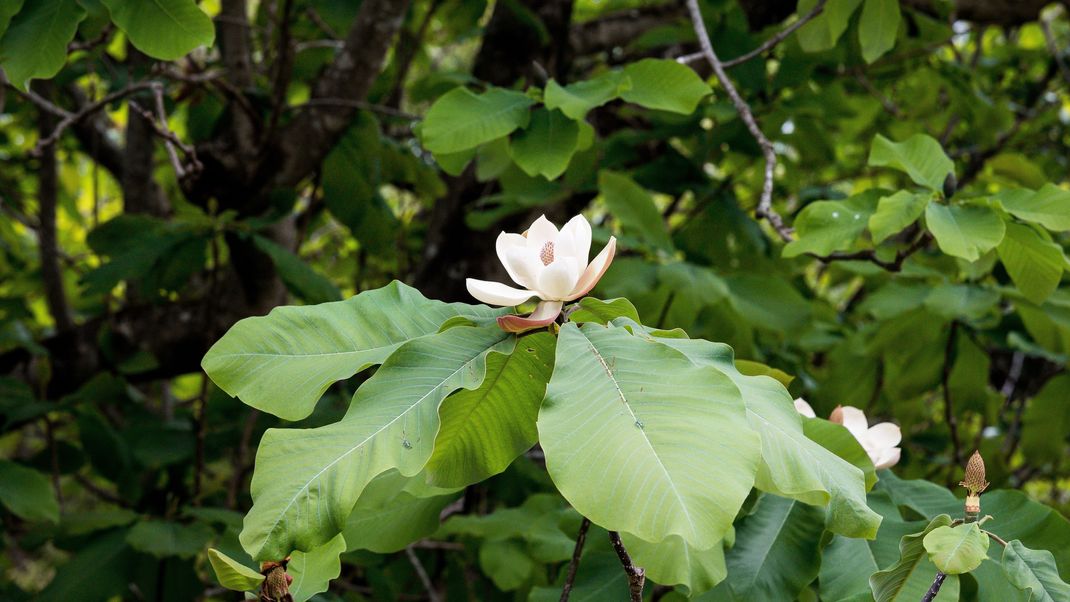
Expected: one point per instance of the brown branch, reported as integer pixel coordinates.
(70, 119)
(636, 575)
(999, 540)
(870, 255)
(171, 140)
(765, 204)
(574, 564)
(767, 45)
(48, 245)
(934, 589)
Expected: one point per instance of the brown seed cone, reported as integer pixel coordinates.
(276, 586)
(974, 480)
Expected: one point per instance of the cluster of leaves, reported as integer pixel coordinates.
(936, 303)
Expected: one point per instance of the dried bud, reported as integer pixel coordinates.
(975, 481)
(276, 585)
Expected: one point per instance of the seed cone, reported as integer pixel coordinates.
(974, 480)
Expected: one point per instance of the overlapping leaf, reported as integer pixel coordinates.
(307, 481)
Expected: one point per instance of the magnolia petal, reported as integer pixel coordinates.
(855, 421)
(523, 265)
(579, 231)
(496, 293)
(804, 408)
(557, 279)
(541, 232)
(887, 458)
(884, 435)
(506, 244)
(595, 270)
(545, 313)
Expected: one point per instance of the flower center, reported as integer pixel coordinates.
(547, 253)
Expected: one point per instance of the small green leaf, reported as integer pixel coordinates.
(27, 493)
(824, 227)
(878, 27)
(921, 157)
(824, 30)
(966, 231)
(165, 538)
(546, 146)
(35, 43)
(163, 29)
(312, 571)
(1049, 206)
(577, 98)
(896, 212)
(634, 208)
(665, 85)
(232, 574)
(603, 312)
(956, 550)
(910, 577)
(1033, 263)
(454, 163)
(1034, 570)
(461, 120)
(299, 277)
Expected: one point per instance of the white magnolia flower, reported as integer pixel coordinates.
(880, 440)
(548, 263)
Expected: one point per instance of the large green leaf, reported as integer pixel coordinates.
(913, 574)
(163, 29)
(308, 480)
(283, 362)
(993, 584)
(393, 511)
(577, 98)
(793, 465)
(27, 493)
(546, 145)
(461, 119)
(1046, 422)
(312, 571)
(299, 277)
(673, 561)
(966, 231)
(920, 157)
(8, 9)
(165, 538)
(634, 208)
(878, 27)
(98, 571)
(827, 226)
(846, 564)
(1033, 263)
(1034, 570)
(777, 552)
(35, 43)
(1049, 206)
(598, 578)
(665, 85)
(824, 30)
(232, 574)
(485, 429)
(957, 549)
(630, 419)
(896, 212)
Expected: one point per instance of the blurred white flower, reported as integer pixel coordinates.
(550, 264)
(880, 440)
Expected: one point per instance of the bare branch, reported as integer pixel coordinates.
(432, 593)
(767, 45)
(171, 140)
(636, 575)
(765, 203)
(48, 245)
(70, 119)
(574, 564)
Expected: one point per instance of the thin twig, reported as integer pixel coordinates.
(999, 540)
(934, 589)
(417, 566)
(765, 202)
(70, 119)
(870, 255)
(636, 575)
(171, 140)
(574, 564)
(99, 491)
(767, 45)
(356, 104)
